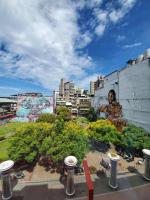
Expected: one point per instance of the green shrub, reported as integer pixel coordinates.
(58, 126)
(10, 128)
(135, 138)
(25, 144)
(4, 150)
(81, 121)
(92, 116)
(63, 113)
(103, 131)
(72, 141)
(2, 138)
(46, 117)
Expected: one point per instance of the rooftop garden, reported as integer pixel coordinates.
(57, 136)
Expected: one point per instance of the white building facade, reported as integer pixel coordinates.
(132, 87)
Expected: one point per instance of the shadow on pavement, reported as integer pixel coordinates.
(49, 191)
(101, 184)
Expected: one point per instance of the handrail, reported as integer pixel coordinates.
(88, 180)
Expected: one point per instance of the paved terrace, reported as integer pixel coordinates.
(131, 187)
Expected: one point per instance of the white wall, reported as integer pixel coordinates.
(132, 92)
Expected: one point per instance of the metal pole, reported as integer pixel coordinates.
(113, 173)
(71, 162)
(6, 179)
(147, 164)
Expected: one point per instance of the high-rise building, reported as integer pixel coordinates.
(74, 98)
(94, 85)
(92, 88)
(61, 88)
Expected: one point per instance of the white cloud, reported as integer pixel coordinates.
(125, 6)
(102, 15)
(6, 90)
(44, 33)
(43, 41)
(10, 88)
(111, 14)
(120, 38)
(87, 3)
(85, 83)
(132, 45)
(99, 30)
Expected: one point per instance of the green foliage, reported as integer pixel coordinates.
(6, 131)
(92, 116)
(81, 121)
(9, 128)
(135, 138)
(58, 126)
(103, 131)
(46, 117)
(63, 113)
(4, 150)
(25, 144)
(2, 138)
(72, 141)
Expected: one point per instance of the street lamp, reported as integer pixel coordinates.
(6, 179)
(70, 162)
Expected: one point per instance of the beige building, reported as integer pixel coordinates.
(76, 99)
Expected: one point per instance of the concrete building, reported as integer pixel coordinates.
(132, 87)
(8, 107)
(61, 88)
(94, 85)
(76, 99)
(92, 90)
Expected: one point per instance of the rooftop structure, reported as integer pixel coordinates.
(7, 108)
(32, 94)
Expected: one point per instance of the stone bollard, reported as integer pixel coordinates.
(70, 162)
(113, 174)
(6, 179)
(147, 164)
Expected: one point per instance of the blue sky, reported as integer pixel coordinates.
(44, 40)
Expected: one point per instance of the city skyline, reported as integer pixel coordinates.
(43, 41)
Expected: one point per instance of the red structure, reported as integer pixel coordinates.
(7, 116)
(88, 180)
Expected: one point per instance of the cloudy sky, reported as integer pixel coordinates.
(42, 41)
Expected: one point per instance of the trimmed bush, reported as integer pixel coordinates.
(72, 141)
(92, 116)
(46, 117)
(63, 113)
(103, 131)
(25, 144)
(135, 138)
(2, 138)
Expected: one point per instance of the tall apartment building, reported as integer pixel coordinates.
(94, 85)
(61, 88)
(92, 89)
(76, 99)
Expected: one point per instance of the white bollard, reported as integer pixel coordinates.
(6, 179)
(71, 162)
(147, 164)
(113, 174)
